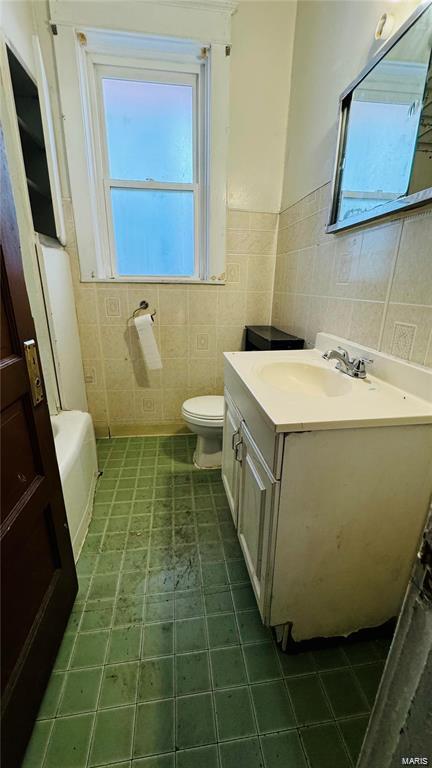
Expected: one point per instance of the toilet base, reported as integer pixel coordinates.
(208, 453)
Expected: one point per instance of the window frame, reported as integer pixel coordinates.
(149, 70)
(76, 50)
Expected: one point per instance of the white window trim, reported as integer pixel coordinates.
(85, 156)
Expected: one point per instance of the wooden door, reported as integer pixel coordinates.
(230, 465)
(38, 578)
(258, 498)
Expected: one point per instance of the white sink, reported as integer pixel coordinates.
(301, 378)
(298, 390)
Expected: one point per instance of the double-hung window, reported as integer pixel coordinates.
(152, 126)
(146, 129)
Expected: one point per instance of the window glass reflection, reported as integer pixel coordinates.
(388, 141)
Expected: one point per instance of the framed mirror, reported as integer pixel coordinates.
(384, 153)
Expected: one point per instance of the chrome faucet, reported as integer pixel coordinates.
(355, 367)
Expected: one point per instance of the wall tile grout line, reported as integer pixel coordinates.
(390, 287)
(382, 292)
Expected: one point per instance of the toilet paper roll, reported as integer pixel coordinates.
(147, 341)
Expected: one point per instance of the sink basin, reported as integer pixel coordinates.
(304, 379)
(298, 391)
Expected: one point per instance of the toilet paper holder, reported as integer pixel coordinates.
(143, 307)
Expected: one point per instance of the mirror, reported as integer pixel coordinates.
(384, 160)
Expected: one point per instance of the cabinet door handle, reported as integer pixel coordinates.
(238, 454)
(234, 443)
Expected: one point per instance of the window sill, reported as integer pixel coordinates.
(155, 281)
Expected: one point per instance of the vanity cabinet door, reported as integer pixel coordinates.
(258, 496)
(230, 466)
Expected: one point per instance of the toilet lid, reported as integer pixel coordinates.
(208, 406)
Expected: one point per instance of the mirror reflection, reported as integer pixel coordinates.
(388, 139)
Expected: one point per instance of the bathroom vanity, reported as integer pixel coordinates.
(328, 479)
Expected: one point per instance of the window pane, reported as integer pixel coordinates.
(149, 130)
(153, 231)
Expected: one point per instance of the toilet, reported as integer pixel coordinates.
(204, 416)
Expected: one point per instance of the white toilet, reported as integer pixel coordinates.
(204, 416)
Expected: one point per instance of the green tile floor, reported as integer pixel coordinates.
(165, 662)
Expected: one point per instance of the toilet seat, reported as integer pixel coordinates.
(208, 409)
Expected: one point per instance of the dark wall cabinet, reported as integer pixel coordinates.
(261, 337)
(33, 147)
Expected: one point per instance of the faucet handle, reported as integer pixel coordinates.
(359, 366)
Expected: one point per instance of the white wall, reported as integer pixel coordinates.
(262, 35)
(157, 17)
(262, 47)
(17, 23)
(333, 41)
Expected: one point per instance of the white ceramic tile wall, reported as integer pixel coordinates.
(372, 285)
(194, 325)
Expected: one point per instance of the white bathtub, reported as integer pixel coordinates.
(75, 446)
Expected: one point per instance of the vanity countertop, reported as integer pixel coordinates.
(300, 391)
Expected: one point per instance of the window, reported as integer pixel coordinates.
(146, 132)
(152, 177)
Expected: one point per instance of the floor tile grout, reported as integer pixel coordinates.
(178, 513)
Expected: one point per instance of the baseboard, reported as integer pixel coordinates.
(143, 430)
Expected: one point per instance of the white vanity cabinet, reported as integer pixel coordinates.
(252, 493)
(258, 492)
(230, 465)
(328, 513)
